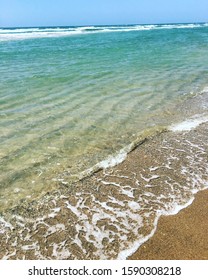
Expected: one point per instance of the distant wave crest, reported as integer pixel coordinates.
(45, 32)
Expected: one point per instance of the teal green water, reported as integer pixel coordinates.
(71, 96)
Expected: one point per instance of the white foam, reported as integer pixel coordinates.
(60, 253)
(7, 257)
(189, 124)
(114, 160)
(110, 183)
(54, 213)
(126, 215)
(110, 161)
(176, 208)
(150, 179)
(123, 255)
(4, 224)
(134, 205)
(128, 193)
(73, 209)
(205, 89)
(55, 228)
(153, 168)
(32, 33)
(30, 247)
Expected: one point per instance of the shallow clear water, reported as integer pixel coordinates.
(70, 97)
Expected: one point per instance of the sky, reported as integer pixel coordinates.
(22, 13)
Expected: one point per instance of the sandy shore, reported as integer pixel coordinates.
(181, 236)
(105, 214)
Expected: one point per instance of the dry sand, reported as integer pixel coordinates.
(183, 236)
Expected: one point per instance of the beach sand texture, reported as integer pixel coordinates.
(109, 214)
(103, 132)
(179, 237)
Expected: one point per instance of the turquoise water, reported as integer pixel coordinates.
(72, 96)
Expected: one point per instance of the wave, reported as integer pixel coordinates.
(7, 34)
(121, 155)
(123, 255)
(189, 124)
(115, 211)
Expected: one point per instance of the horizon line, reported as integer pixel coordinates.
(126, 24)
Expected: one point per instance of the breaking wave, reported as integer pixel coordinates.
(45, 32)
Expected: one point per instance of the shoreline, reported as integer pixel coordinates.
(182, 236)
(105, 214)
(136, 127)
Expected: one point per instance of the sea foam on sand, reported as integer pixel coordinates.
(189, 124)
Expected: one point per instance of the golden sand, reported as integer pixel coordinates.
(183, 236)
(121, 204)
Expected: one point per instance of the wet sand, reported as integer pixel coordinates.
(109, 213)
(182, 236)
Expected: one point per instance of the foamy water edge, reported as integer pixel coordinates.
(172, 208)
(186, 125)
(120, 156)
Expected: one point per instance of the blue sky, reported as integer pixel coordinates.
(89, 12)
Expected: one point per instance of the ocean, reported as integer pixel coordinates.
(76, 104)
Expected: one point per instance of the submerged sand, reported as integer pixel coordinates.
(114, 210)
(179, 237)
